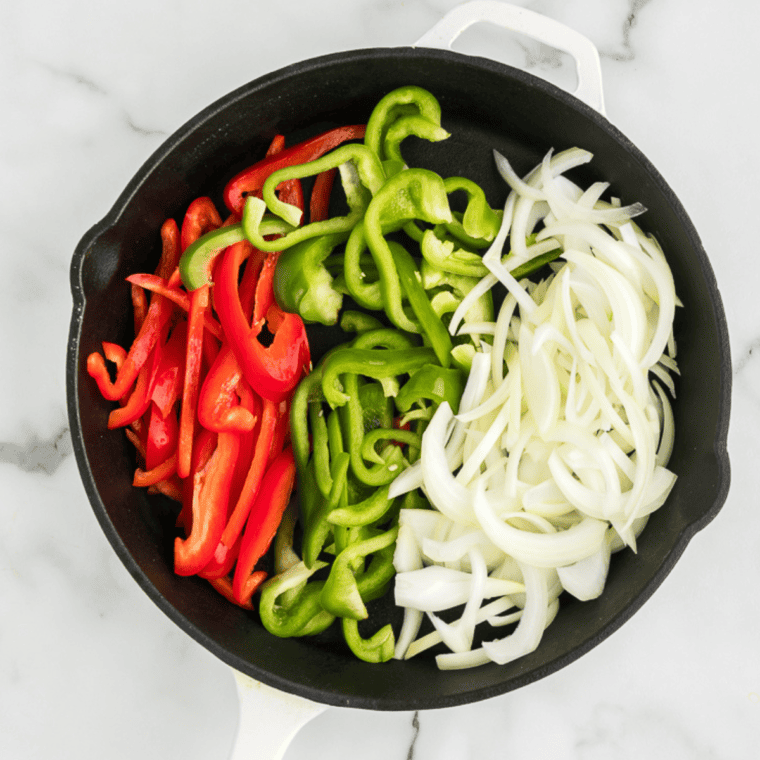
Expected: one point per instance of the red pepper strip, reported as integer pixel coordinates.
(204, 446)
(264, 290)
(136, 441)
(171, 488)
(217, 407)
(252, 179)
(210, 497)
(250, 279)
(319, 204)
(162, 437)
(167, 386)
(139, 306)
(177, 296)
(224, 587)
(198, 307)
(264, 520)
(276, 146)
(253, 482)
(291, 191)
(163, 471)
(281, 431)
(216, 569)
(250, 401)
(274, 371)
(159, 313)
(201, 217)
(170, 249)
(114, 353)
(139, 400)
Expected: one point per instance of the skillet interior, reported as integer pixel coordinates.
(485, 105)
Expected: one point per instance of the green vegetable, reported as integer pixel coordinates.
(303, 285)
(362, 176)
(435, 384)
(403, 112)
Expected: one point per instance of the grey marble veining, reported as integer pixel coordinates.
(89, 667)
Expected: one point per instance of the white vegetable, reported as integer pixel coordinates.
(559, 451)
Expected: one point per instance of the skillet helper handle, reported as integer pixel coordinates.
(269, 719)
(531, 24)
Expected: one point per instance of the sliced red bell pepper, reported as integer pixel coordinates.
(264, 290)
(138, 402)
(209, 504)
(203, 447)
(218, 406)
(161, 472)
(272, 371)
(167, 386)
(191, 382)
(162, 436)
(253, 481)
(252, 179)
(201, 217)
(319, 203)
(139, 306)
(156, 320)
(224, 587)
(171, 487)
(170, 249)
(263, 521)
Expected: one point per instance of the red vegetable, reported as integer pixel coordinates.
(252, 179)
(209, 497)
(263, 522)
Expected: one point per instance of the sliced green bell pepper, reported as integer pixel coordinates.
(302, 284)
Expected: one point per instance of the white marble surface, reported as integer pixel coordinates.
(89, 667)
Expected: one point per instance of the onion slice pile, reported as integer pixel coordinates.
(559, 452)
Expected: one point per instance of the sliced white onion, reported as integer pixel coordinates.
(559, 452)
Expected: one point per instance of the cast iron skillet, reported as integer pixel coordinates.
(486, 105)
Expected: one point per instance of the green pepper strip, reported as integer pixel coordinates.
(433, 383)
(378, 364)
(196, 262)
(405, 127)
(431, 324)
(309, 389)
(303, 614)
(395, 435)
(411, 194)
(366, 294)
(365, 512)
(359, 322)
(479, 222)
(361, 173)
(447, 255)
(317, 528)
(377, 648)
(379, 474)
(303, 285)
(385, 337)
(397, 104)
(321, 451)
(534, 264)
(458, 286)
(377, 407)
(341, 595)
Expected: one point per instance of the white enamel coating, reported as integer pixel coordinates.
(269, 719)
(533, 25)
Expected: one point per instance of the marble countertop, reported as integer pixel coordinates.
(89, 666)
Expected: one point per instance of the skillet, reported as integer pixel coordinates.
(486, 106)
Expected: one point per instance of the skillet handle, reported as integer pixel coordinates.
(531, 24)
(269, 719)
